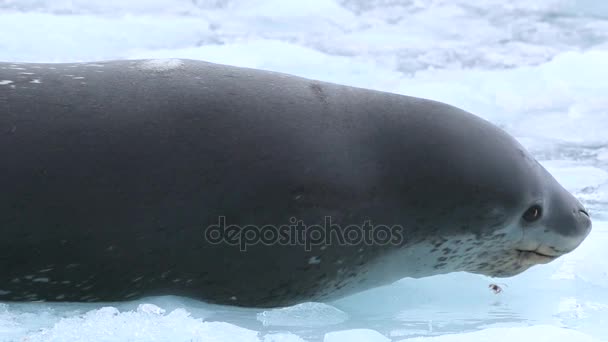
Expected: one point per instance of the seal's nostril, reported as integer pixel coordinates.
(584, 219)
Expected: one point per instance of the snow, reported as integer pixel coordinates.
(537, 69)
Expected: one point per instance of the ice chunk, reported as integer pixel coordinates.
(150, 309)
(109, 324)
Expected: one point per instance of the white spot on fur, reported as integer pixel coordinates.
(60, 297)
(35, 81)
(5, 82)
(233, 298)
(26, 73)
(3, 292)
(314, 260)
(78, 78)
(161, 64)
(45, 270)
(41, 280)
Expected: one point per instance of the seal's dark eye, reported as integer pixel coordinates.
(533, 213)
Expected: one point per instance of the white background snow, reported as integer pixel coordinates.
(539, 69)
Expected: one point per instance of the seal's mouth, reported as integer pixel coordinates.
(535, 257)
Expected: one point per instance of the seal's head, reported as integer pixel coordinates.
(530, 220)
(482, 203)
(552, 223)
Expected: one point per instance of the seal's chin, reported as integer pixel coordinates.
(535, 257)
(513, 262)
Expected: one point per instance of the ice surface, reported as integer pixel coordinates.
(283, 337)
(537, 69)
(355, 335)
(539, 333)
(305, 314)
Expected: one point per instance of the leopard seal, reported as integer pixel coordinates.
(114, 172)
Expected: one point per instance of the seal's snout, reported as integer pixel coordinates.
(553, 228)
(571, 227)
(574, 230)
(583, 221)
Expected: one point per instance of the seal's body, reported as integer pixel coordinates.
(113, 173)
